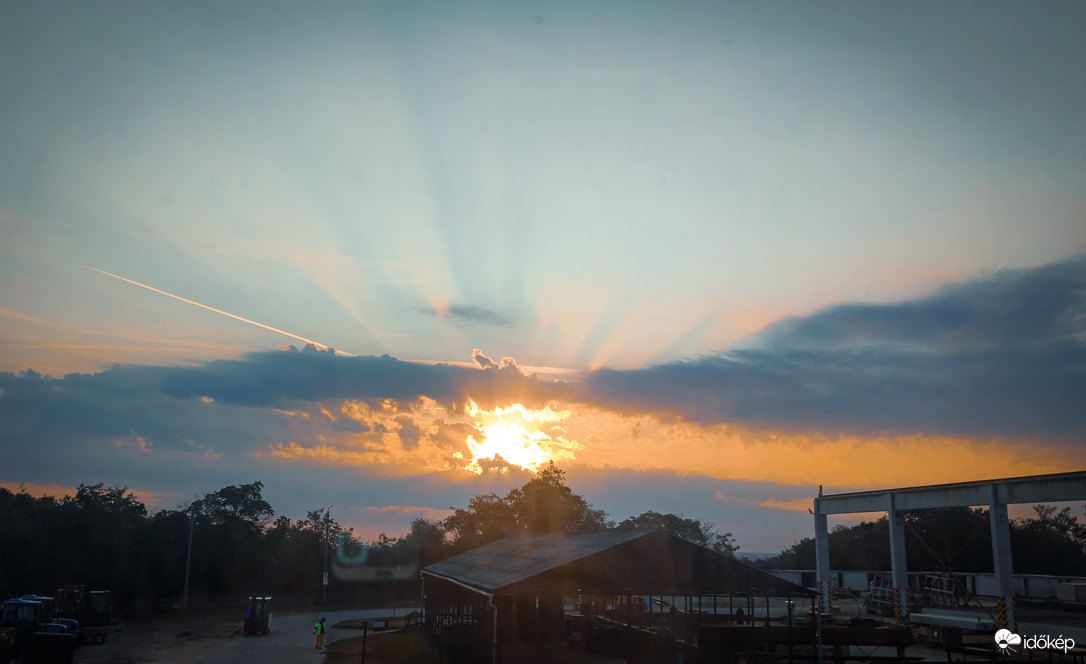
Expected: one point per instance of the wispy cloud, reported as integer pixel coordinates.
(179, 345)
(466, 314)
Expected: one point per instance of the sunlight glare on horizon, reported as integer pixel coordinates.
(520, 436)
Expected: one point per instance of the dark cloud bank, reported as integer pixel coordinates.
(279, 379)
(1000, 356)
(1004, 355)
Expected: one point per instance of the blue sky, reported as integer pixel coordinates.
(737, 226)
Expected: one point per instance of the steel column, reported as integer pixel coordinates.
(822, 554)
(898, 566)
(1001, 552)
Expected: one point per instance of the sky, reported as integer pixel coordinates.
(705, 256)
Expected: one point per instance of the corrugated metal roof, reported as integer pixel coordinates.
(513, 559)
(616, 560)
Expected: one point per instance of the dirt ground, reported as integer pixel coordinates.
(385, 648)
(204, 636)
(171, 638)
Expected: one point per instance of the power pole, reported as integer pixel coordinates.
(188, 566)
(327, 527)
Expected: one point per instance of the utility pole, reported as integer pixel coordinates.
(327, 520)
(188, 566)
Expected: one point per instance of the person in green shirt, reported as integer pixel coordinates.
(318, 629)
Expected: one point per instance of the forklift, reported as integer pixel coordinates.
(257, 615)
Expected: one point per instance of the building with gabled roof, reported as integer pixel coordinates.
(486, 596)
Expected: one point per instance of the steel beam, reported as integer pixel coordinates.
(1060, 487)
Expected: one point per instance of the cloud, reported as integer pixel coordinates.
(453, 437)
(1001, 356)
(291, 406)
(409, 432)
(466, 314)
(835, 392)
(134, 443)
(279, 379)
(1009, 309)
(484, 362)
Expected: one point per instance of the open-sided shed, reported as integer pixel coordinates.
(482, 596)
(615, 561)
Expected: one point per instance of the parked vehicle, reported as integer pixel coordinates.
(258, 615)
(7, 640)
(69, 625)
(93, 609)
(27, 631)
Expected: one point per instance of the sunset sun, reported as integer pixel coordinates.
(520, 436)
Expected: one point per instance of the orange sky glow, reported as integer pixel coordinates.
(574, 435)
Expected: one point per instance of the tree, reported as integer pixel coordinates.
(692, 530)
(113, 500)
(1061, 522)
(228, 549)
(948, 539)
(297, 554)
(543, 505)
(1053, 542)
(429, 537)
(105, 538)
(240, 504)
(487, 518)
(327, 530)
(107, 541)
(546, 505)
(28, 544)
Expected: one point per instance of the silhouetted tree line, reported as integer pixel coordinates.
(105, 538)
(545, 504)
(951, 539)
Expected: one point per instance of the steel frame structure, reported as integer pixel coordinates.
(995, 494)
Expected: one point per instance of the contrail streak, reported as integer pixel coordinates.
(220, 311)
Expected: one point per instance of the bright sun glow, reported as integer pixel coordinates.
(520, 436)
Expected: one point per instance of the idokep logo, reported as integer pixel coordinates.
(1005, 638)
